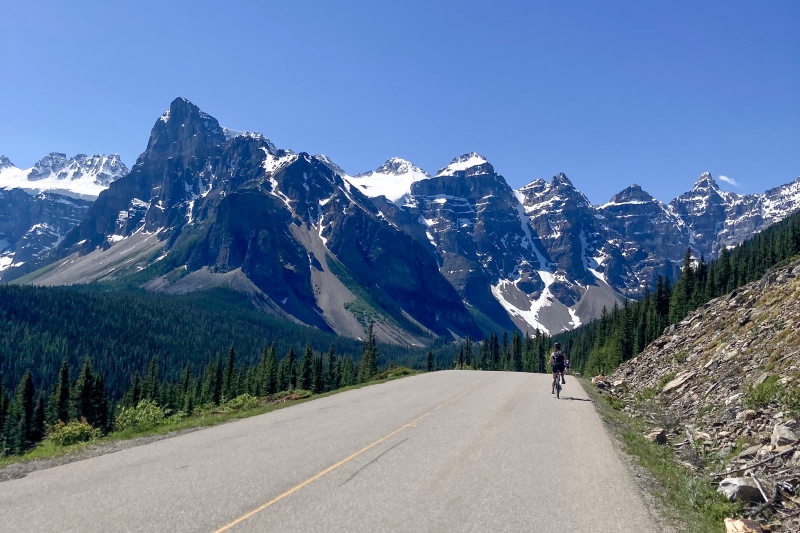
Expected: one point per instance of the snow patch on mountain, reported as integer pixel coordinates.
(393, 179)
(82, 175)
(459, 164)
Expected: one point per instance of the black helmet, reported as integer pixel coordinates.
(558, 346)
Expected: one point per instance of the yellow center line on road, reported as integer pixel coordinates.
(333, 467)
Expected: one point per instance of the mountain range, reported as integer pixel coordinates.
(450, 254)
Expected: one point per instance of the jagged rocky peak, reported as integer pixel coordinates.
(705, 182)
(6, 163)
(561, 179)
(52, 163)
(397, 166)
(328, 162)
(631, 194)
(185, 124)
(471, 163)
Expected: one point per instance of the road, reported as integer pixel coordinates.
(446, 451)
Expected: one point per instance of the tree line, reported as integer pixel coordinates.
(27, 413)
(624, 332)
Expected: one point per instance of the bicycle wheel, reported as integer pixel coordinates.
(558, 389)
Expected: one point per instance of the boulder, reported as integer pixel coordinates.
(750, 452)
(740, 488)
(742, 526)
(620, 384)
(782, 435)
(658, 435)
(679, 380)
(746, 415)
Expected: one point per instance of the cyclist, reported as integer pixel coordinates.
(558, 361)
(566, 366)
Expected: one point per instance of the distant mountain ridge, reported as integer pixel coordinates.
(39, 205)
(421, 255)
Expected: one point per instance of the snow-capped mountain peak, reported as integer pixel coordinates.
(6, 163)
(705, 182)
(393, 179)
(462, 163)
(82, 175)
(398, 166)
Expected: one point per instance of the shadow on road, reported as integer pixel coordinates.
(576, 399)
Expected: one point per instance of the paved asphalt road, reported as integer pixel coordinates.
(446, 451)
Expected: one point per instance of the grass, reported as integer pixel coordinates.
(49, 450)
(690, 499)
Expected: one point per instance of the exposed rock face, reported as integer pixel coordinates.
(717, 383)
(31, 225)
(654, 238)
(223, 201)
(539, 257)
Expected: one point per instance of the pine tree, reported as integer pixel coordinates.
(429, 364)
(290, 369)
(38, 421)
(83, 394)
(348, 372)
(229, 375)
(468, 351)
(306, 369)
(516, 352)
(151, 386)
(58, 408)
(271, 384)
(318, 376)
(369, 356)
(333, 377)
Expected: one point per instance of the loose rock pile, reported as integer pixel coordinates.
(723, 388)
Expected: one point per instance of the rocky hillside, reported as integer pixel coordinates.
(723, 388)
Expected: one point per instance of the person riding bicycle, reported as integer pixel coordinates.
(566, 366)
(558, 360)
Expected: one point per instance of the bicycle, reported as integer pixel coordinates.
(558, 386)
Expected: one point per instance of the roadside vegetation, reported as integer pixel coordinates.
(147, 418)
(82, 410)
(689, 500)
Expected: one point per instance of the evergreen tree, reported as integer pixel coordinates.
(429, 364)
(271, 385)
(150, 387)
(369, 356)
(229, 375)
(38, 421)
(58, 408)
(84, 394)
(516, 352)
(306, 369)
(468, 351)
(333, 377)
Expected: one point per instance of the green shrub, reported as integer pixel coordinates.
(243, 402)
(762, 394)
(647, 393)
(76, 431)
(665, 379)
(790, 398)
(145, 416)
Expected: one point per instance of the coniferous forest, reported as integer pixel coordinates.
(69, 355)
(623, 332)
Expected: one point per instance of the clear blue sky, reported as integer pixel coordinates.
(610, 93)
